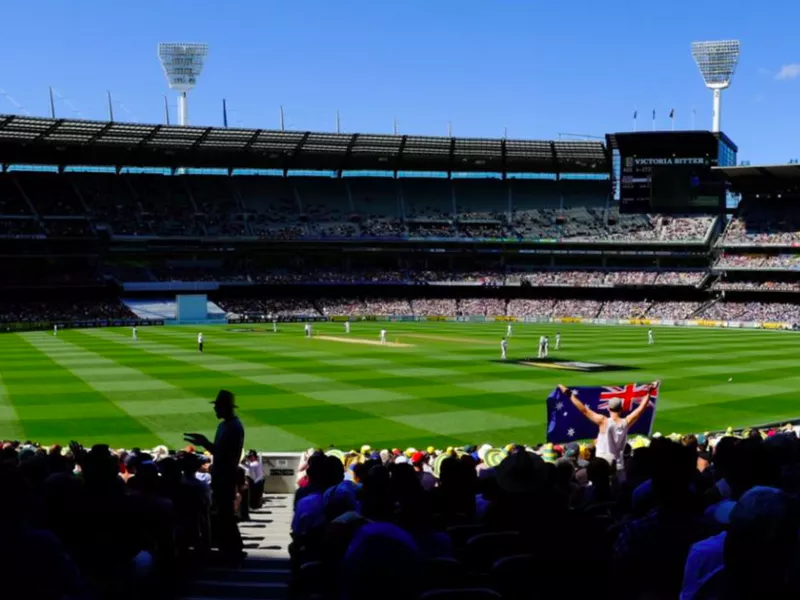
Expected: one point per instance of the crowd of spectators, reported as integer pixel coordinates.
(755, 285)
(434, 307)
(623, 309)
(673, 310)
(55, 311)
(100, 523)
(485, 277)
(66, 312)
(311, 208)
(763, 224)
(759, 261)
(587, 309)
(20, 229)
(751, 311)
(267, 308)
(695, 516)
(487, 307)
(518, 308)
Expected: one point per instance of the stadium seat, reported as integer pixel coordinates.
(483, 550)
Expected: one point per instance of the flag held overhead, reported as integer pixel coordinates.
(565, 423)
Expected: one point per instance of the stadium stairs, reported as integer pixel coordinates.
(266, 572)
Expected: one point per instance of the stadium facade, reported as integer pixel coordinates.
(267, 221)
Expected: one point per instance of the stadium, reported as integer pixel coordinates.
(352, 291)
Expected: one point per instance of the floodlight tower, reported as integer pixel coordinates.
(182, 64)
(717, 62)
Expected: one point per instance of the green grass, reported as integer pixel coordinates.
(100, 386)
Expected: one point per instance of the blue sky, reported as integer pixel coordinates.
(539, 69)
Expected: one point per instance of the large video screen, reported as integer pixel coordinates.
(669, 172)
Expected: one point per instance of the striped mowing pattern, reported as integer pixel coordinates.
(447, 388)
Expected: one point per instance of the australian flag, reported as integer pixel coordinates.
(566, 424)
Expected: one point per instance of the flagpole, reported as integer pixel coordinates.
(654, 120)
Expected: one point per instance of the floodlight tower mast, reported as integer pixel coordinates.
(182, 64)
(717, 62)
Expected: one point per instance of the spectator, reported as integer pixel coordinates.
(226, 450)
(613, 429)
(255, 477)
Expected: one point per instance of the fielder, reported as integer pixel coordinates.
(546, 346)
(135, 334)
(508, 331)
(347, 326)
(650, 340)
(540, 354)
(503, 349)
(558, 340)
(274, 325)
(383, 336)
(55, 329)
(200, 342)
(308, 330)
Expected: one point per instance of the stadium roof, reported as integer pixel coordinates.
(63, 141)
(761, 178)
(664, 141)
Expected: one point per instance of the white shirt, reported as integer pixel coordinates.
(504, 344)
(256, 470)
(199, 338)
(383, 333)
(611, 442)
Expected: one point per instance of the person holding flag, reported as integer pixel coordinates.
(613, 429)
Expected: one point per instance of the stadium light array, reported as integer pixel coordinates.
(717, 62)
(182, 64)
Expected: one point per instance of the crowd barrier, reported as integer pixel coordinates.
(280, 471)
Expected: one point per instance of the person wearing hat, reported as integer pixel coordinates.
(612, 430)
(226, 450)
(426, 478)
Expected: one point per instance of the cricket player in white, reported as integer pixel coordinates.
(383, 336)
(135, 335)
(55, 329)
(650, 339)
(504, 349)
(541, 347)
(274, 325)
(200, 342)
(308, 330)
(546, 346)
(558, 340)
(347, 326)
(508, 331)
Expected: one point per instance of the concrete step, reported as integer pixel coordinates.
(210, 588)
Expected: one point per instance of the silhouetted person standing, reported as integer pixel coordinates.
(226, 450)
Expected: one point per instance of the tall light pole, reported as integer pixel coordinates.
(717, 62)
(182, 64)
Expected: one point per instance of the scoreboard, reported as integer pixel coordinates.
(670, 172)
